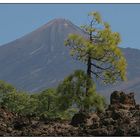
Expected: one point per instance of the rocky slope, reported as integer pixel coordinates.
(121, 118)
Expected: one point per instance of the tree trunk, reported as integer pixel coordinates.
(89, 66)
(48, 104)
(88, 75)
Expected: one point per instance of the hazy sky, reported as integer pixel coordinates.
(17, 20)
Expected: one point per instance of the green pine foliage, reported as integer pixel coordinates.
(40, 104)
(47, 103)
(99, 50)
(72, 93)
(5, 88)
(16, 102)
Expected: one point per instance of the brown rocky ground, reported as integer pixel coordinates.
(121, 118)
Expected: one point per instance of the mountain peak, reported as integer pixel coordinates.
(60, 23)
(57, 21)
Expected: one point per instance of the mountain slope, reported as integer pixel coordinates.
(133, 75)
(39, 60)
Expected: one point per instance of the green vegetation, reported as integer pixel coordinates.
(5, 88)
(104, 60)
(99, 51)
(72, 92)
(19, 102)
(47, 103)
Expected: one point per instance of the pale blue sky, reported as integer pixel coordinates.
(17, 20)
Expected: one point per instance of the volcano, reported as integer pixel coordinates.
(40, 60)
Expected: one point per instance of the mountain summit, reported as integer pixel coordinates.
(40, 60)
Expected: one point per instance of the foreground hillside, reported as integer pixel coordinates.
(121, 118)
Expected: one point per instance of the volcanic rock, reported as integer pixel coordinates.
(121, 118)
(79, 119)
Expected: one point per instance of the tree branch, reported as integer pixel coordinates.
(99, 67)
(97, 75)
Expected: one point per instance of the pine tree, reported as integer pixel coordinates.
(99, 49)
